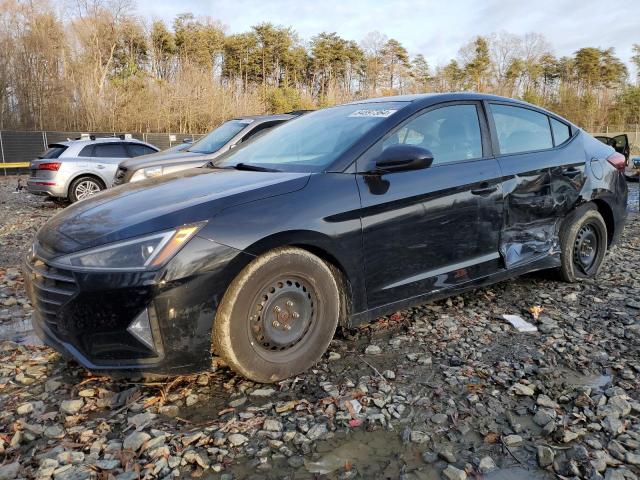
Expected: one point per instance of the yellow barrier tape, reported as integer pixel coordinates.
(14, 165)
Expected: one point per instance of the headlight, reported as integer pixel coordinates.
(141, 253)
(144, 173)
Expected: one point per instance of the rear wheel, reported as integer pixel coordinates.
(84, 187)
(278, 315)
(583, 240)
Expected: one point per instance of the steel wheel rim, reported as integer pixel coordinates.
(586, 247)
(86, 189)
(282, 314)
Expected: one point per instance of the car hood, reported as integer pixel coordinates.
(161, 158)
(160, 203)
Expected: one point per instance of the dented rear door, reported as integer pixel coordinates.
(542, 180)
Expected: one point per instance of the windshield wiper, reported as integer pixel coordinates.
(253, 168)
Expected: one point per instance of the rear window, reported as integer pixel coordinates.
(561, 131)
(110, 150)
(54, 151)
(520, 129)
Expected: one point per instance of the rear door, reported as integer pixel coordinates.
(85, 155)
(107, 156)
(427, 230)
(111, 152)
(543, 173)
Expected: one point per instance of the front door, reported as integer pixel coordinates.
(426, 230)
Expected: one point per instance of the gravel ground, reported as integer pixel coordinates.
(445, 390)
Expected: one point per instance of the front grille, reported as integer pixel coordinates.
(120, 174)
(49, 289)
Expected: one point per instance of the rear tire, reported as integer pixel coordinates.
(583, 242)
(84, 187)
(278, 316)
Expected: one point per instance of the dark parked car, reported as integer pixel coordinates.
(220, 140)
(336, 217)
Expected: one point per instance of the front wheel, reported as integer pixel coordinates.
(278, 316)
(583, 242)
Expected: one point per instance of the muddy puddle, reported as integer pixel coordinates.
(358, 454)
(516, 473)
(379, 454)
(571, 379)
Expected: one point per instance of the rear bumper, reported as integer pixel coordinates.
(41, 186)
(87, 316)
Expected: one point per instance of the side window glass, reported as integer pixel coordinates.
(520, 129)
(451, 133)
(137, 149)
(561, 131)
(86, 151)
(110, 150)
(260, 129)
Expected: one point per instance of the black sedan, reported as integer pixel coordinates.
(336, 217)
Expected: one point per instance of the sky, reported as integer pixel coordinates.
(435, 28)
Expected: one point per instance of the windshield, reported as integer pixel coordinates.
(216, 139)
(313, 141)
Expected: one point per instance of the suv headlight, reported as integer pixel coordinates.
(142, 253)
(144, 173)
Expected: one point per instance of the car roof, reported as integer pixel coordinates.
(69, 143)
(422, 100)
(440, 97)
(265, 118)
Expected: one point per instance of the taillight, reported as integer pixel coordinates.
(617, 160)
(53, 166)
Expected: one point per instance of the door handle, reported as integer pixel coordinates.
(484, 189)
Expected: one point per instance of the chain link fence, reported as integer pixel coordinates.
(18, 148)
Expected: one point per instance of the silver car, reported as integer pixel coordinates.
(77, 169)
(227, 136)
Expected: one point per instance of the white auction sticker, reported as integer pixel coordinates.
(373, 113)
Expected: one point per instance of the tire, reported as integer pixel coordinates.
(583, 243)
(84, 187)
(278, 316)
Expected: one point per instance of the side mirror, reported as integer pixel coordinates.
(401, 158)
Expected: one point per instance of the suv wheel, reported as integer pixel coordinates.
(84, 187)
(278, 316)
(583, 242)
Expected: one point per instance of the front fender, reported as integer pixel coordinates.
(326, 224)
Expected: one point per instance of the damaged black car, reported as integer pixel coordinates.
(337, 217)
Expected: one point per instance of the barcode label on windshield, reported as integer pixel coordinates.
(373, 113)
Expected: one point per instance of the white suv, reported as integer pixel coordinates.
(77, 169)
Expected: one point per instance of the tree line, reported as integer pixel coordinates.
(93, 65)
